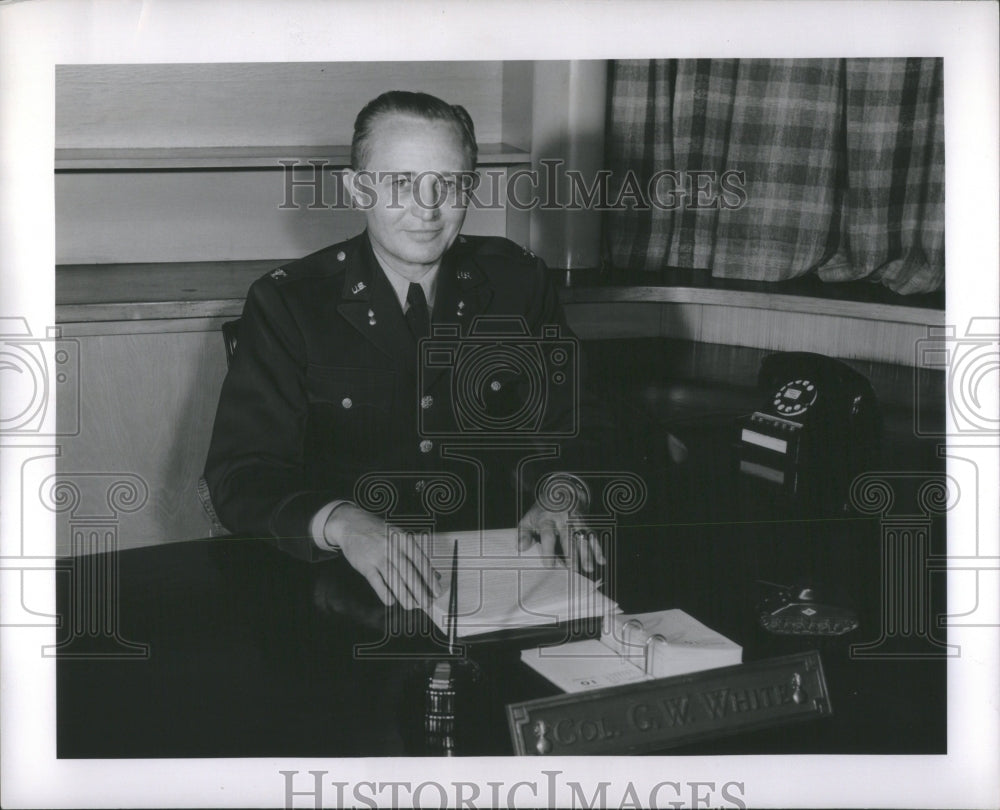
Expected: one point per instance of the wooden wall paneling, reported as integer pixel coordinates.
(144, 327)
(105, 299)
(597, 321)
(147, 283)
(600, 287)
(145, 316)
(849, 338)
(681, 320)
(147, 407)
(203, 216)
(148, 392)
(253, 104)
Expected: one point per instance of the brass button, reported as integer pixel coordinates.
(347, 402)
(495, 385)
(426, 446)
(341, 256)
(426, 401)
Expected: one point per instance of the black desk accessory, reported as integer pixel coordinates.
(803, 610)
(450, 693)
(453, 600)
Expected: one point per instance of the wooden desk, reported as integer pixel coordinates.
(252, 652)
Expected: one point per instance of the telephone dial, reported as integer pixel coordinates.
(818, 427)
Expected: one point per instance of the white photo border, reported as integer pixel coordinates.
(36, 36)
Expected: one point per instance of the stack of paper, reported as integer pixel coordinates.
(501, 588)
(687, 644)
(620, 656)
(581, 665)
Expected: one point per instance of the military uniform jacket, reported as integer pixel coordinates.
(329, 393)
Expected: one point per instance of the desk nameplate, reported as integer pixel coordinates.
(674, 711)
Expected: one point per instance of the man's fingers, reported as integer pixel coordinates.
(581, 552)
(414, 549)
(586, 550)
(524, 533)
(405, 578)
(378, 585)
(419, 591)
(547, 537)
(595, 547)
(397, 586)
(414, 578)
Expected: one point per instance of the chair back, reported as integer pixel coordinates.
(230, 334)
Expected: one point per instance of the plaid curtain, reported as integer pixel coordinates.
(832, 166)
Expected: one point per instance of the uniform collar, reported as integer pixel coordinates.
(360, 263)
(401, 285)
(369, 302)
(458, 270)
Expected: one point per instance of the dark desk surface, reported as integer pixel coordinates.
(252, 652)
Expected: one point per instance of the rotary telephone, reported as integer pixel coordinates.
(817, 428)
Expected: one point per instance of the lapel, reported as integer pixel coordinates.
(366, 289)
(463, 292)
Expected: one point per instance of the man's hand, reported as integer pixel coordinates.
(392, 560)
(582, 551)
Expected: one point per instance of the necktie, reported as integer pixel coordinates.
(417, 316)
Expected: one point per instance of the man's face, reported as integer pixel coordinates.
(410, 191)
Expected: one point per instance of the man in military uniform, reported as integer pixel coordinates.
(329, 383)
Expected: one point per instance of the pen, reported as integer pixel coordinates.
(453, 600)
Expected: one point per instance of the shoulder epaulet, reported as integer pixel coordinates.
(323, 262)
(500, 246)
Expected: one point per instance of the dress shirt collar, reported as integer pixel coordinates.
(401, 285)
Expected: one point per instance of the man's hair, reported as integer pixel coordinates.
(419, 105)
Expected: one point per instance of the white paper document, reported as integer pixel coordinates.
(635, 648)
(501, 588)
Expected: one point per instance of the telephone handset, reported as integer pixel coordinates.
(818, 427)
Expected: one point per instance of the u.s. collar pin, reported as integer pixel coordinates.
(279, 273)
(464, 275)
(358, 287)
